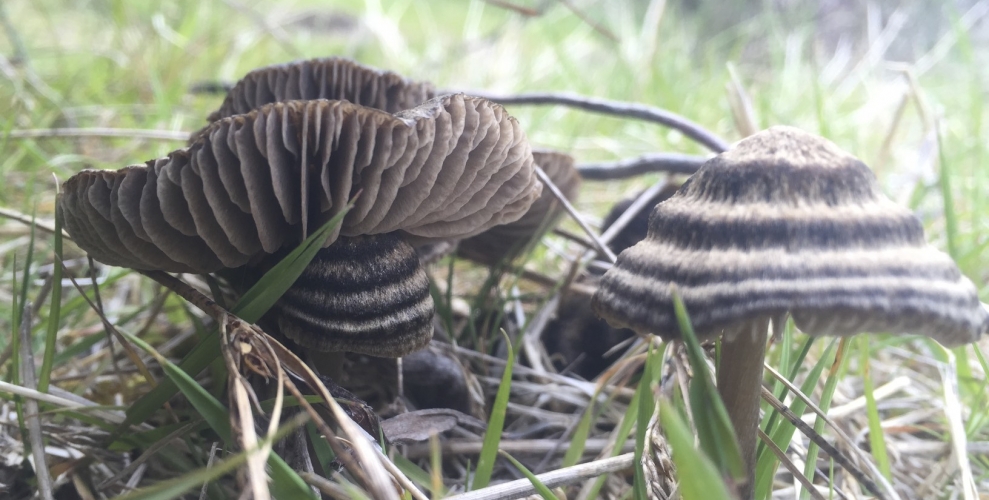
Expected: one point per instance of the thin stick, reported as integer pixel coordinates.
(576, 216)
(672, 163)
(615, 108)
(47, 226)
(785, 460)
(129, 133)
(562, 477)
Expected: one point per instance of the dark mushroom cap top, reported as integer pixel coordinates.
(331, 78)
(450, 168)
(506, 240)
(786, 222)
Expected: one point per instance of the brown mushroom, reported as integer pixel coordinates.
(331, 78)
(785, 223)
(507, 240)
(252, 184)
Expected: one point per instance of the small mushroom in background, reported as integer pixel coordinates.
(507, 241)
(577, 339)
(637, 228)
(254, 184)
(785, 223)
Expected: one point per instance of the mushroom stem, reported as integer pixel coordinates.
(740, 386)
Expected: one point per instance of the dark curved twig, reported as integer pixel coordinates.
(617, 108)
(673, 163)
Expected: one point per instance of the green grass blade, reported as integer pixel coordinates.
(496, 422)
(698, 477)
(54, 311)
(285, 482)
(782, 434)
(877, 440)
(838, 368)
(176, 487)
(579, 439)
(714, 429)
(541, 488)
(651, 374)
(215, 414)
(251, 307)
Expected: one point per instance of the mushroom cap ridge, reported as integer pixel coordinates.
(252, 183)
(323, 78)
(507, 240)
(786, 222)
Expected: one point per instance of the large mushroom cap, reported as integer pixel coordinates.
(506, 240)
(786, 222)
(252, 183)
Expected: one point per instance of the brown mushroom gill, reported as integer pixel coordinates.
(253, 184)
(785, 223)
(506, 241)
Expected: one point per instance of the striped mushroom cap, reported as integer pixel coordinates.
(786, 222)
(255, 183)
(507, 240)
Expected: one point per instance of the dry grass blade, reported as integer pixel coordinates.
(562, 477)
(47, 226)
(953, 413)
(242, 416)
(790, 466)
(129, 133)
(31, 417)
(742, 111)
(254, 340)
(836, 454)
(601, 246)
(377, 478)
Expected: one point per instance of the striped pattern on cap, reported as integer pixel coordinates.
(507, 240)
(256, 182)
(366, 294)
(787, 223)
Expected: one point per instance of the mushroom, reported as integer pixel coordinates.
(507, 240)
(252, 185)
(323, 78)
(785, 223)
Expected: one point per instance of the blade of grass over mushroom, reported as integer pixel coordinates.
(714, 430)
(877, 440)
(496, 422)
(698, 476)
(651, 374)
(254, 303)
(541, 489)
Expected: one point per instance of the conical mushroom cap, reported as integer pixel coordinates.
(252, 183)
(506, 240)
(786, 222)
